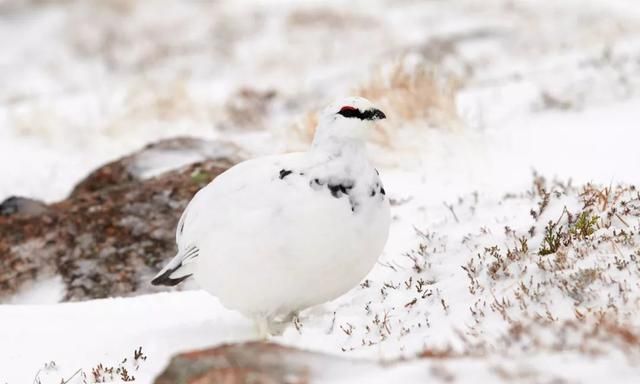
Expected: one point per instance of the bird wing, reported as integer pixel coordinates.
(271, 202)
(242, 188)
(214, 200)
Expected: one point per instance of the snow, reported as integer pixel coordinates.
(74, 335)
(43, 291)
(105, 87)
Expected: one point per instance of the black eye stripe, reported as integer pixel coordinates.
(354, 112)
(369, 114)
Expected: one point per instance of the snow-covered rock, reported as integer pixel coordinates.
(115, 230)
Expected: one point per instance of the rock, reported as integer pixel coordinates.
(16, 205)
(258, 362)
(154, 159)
(267, 362)
(115, 230)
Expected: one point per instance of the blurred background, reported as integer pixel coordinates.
(503, 262)
(466, 84)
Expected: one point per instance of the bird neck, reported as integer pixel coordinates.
(338, 146)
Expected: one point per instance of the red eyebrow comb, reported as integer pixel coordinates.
(347, 108)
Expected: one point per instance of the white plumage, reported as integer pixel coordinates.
(274, 235)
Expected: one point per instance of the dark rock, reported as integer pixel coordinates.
(156, 158)
(112, 174)
(258, 362)
(111, 235)
(16, 205)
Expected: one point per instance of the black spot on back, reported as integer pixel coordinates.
(284, 173)
(316, 184)
(337, 190)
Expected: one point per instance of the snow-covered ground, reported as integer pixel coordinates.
(547, 87)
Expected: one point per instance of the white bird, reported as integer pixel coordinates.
(274, 235)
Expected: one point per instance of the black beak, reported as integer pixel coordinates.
(377, 114)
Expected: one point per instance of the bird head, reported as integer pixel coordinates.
(348, 119)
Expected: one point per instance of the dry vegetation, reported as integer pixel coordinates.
(559, 278)
(247, 109)
(585, 261)
(101, 373)
(413, 97)
(413, 93)
(327, 18)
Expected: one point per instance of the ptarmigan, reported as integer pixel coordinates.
(274, 235)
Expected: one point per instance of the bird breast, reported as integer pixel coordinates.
(303, 236)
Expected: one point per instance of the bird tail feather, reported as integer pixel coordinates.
(179, 268)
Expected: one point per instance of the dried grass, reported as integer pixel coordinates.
(162, 101)
(247, 108)
(410, 97)
(326, 18)
(410, 94)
